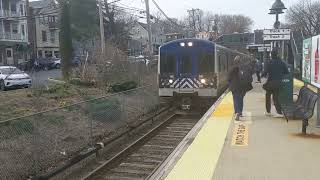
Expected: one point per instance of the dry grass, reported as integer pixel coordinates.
(16, 103)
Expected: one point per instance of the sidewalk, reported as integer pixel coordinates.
(276, 150)
(257, 148)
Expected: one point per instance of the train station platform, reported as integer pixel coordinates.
(256, 148)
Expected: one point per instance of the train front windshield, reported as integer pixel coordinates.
(167, 63)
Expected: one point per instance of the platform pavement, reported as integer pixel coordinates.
(272, 149)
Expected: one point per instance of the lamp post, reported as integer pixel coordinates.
(277, 8)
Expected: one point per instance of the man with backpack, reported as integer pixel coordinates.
(275, 70)
(240, 80)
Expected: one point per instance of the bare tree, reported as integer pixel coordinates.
(228, 24)
(118, 24)
(304, 16)
(199, 20)
(195, 20)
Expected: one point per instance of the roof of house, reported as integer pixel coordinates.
(42, 6)
(155, 27)
(41, 3)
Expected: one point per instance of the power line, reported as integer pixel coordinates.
(155, 3)
(115, 1)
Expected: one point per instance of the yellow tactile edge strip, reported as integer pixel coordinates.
(199, 152)
(172, 160)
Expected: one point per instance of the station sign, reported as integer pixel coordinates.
(263, 49)
(276, 37)
(276, 31)
(276, 34)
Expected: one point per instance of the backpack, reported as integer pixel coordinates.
(245, 79)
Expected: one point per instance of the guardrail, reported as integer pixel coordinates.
(32, 145)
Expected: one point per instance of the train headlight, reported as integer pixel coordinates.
(182, 44)
(190, 44)
(203, 81)
(170, 81)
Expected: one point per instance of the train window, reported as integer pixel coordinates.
(186, 65)
(206, 62)
(167, 63)
(223, 61)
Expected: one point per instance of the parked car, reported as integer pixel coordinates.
(26, 65)
(44, 64)
(56, 63)
(12, 77)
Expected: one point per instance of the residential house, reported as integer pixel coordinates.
(13, 32)
(138, 44)
(45, 27)
(210, 36)
(174, 36)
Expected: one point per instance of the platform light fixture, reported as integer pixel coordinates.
(277, 8)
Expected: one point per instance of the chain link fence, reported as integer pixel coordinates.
(35, 144)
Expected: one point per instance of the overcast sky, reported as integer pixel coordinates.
(256, 9)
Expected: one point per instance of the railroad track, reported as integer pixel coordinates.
(144, 156)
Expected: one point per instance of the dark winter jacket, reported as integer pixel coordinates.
(275, 69)
(234, 81)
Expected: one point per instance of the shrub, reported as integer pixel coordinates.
(124, 86)
(79, 82)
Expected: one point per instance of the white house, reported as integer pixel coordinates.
(139, 38)
(46, 28)
(13, 32)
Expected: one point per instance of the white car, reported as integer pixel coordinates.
(12, 77)
(57, 63)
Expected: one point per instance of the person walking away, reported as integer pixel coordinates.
(237, 87)
(258, 69)
(275, 69)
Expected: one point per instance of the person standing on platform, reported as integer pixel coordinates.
(275, 69)
(258, 69)
(239, 84)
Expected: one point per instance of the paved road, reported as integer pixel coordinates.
(41, 78)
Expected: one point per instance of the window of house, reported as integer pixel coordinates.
(15, 28)
(40, 53)
(48, 54)
(44, 36)
(52, 19)
(57, 54)
(9, 53)
(52, 36)
(23, 31)
(13, 8)
(21, 10)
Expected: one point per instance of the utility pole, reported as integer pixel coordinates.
(30, 30)
(103, 43)
(150, 48)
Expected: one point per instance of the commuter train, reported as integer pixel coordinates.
(195, 68)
